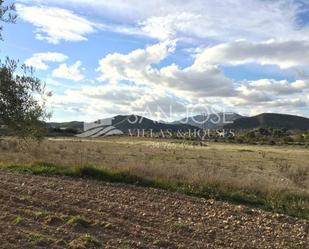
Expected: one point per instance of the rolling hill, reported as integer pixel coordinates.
(210, 121)
(271, 120)
(66, 125)
(125, 124)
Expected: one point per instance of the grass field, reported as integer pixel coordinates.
(270, 177)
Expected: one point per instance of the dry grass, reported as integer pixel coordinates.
(246, 166)
(267, 169)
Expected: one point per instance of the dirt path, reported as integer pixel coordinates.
(50, 212)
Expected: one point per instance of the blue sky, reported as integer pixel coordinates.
(165, 59)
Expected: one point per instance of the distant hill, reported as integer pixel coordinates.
(125, 122)
(129, 123)
(210, 121)
(271, 120)
(72, 125)
(64, 128)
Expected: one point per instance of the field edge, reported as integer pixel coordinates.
(286, 202)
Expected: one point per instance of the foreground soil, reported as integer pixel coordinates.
(59, 212)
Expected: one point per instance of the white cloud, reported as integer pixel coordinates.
(235, 31)
(197, 83)
(199, 19)
(167, 27)
(118, 66)
(69, 72)
(271, 93)
(138, 67)
(38, 60)
(114, 99)
(284, 54)
(56, 24)
(279, 87)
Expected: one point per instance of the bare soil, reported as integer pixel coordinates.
(60, 212)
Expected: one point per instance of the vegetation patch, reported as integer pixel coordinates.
(104, 224)
(41, 214)
(77, 220)
(287, 202)
(39, 240)
(18, 220)
(53, 220)
(86, 241)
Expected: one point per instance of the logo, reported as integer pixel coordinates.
(100, 128)
(200, 126)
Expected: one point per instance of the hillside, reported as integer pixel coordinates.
(129, 124)
(66, 125)
(64, 129)
(126, 122)
(211, 121)
(271, 120)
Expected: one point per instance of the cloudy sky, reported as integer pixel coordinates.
(165, 58)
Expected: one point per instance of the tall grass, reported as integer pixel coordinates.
(287, 202)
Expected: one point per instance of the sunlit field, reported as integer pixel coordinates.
(269, 176)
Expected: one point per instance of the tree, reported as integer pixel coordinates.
(21, 94)
(7, 15)
(21, 100)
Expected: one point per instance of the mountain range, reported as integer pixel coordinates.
(271, 120)
(129, 124)
(124, 123)
(210, 121)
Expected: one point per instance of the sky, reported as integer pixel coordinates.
(164, 59)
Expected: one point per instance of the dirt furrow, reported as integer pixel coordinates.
(60, 212)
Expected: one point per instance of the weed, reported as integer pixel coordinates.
(104, 224)
(299, 175)
(283, 165)
(263, 153)
(62, 147)
(245, 150)
(41, 214)
(39, 240)
(86, 241)
(182, 226)
(18, 220)
(260, 166)
(77, 220)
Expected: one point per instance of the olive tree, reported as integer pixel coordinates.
(21, 100)
(21, 94)
(7, 15)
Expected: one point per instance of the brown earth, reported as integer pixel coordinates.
(59, 212)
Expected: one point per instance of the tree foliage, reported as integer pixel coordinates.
(21, 94)
(7, 15)
(21, 100)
